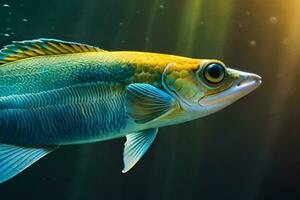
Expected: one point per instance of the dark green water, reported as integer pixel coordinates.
(249, 151)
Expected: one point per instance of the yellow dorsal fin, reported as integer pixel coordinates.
(41, 47)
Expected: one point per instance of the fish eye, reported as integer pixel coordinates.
(214, 73)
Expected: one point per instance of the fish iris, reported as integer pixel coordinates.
(214, 73)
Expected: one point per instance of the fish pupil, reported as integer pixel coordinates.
(215, 70)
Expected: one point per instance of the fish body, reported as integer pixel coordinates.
(55, 93)
(74, 98)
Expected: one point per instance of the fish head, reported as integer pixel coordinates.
(207, 88)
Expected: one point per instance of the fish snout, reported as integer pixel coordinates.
(248, 81)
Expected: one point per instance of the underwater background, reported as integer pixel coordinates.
(248, 151)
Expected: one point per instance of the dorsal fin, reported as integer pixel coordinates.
(40, 47)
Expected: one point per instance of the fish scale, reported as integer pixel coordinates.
(61, 124)
(96, 110)
(87, 92)
(58, 72)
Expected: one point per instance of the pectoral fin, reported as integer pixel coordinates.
(145, 102)
(15, 159)
(136, 146)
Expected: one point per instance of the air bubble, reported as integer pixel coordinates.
(161, 6)
(24, 20)
(6, 5)
(252, 43)
(285, 41)
(273, 20)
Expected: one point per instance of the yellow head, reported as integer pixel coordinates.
(207, 87)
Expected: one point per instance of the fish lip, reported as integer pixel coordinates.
(247, 83)
(249, 79)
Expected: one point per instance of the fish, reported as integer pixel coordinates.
(55, 93)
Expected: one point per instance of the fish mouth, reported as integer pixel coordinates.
(246, 83)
